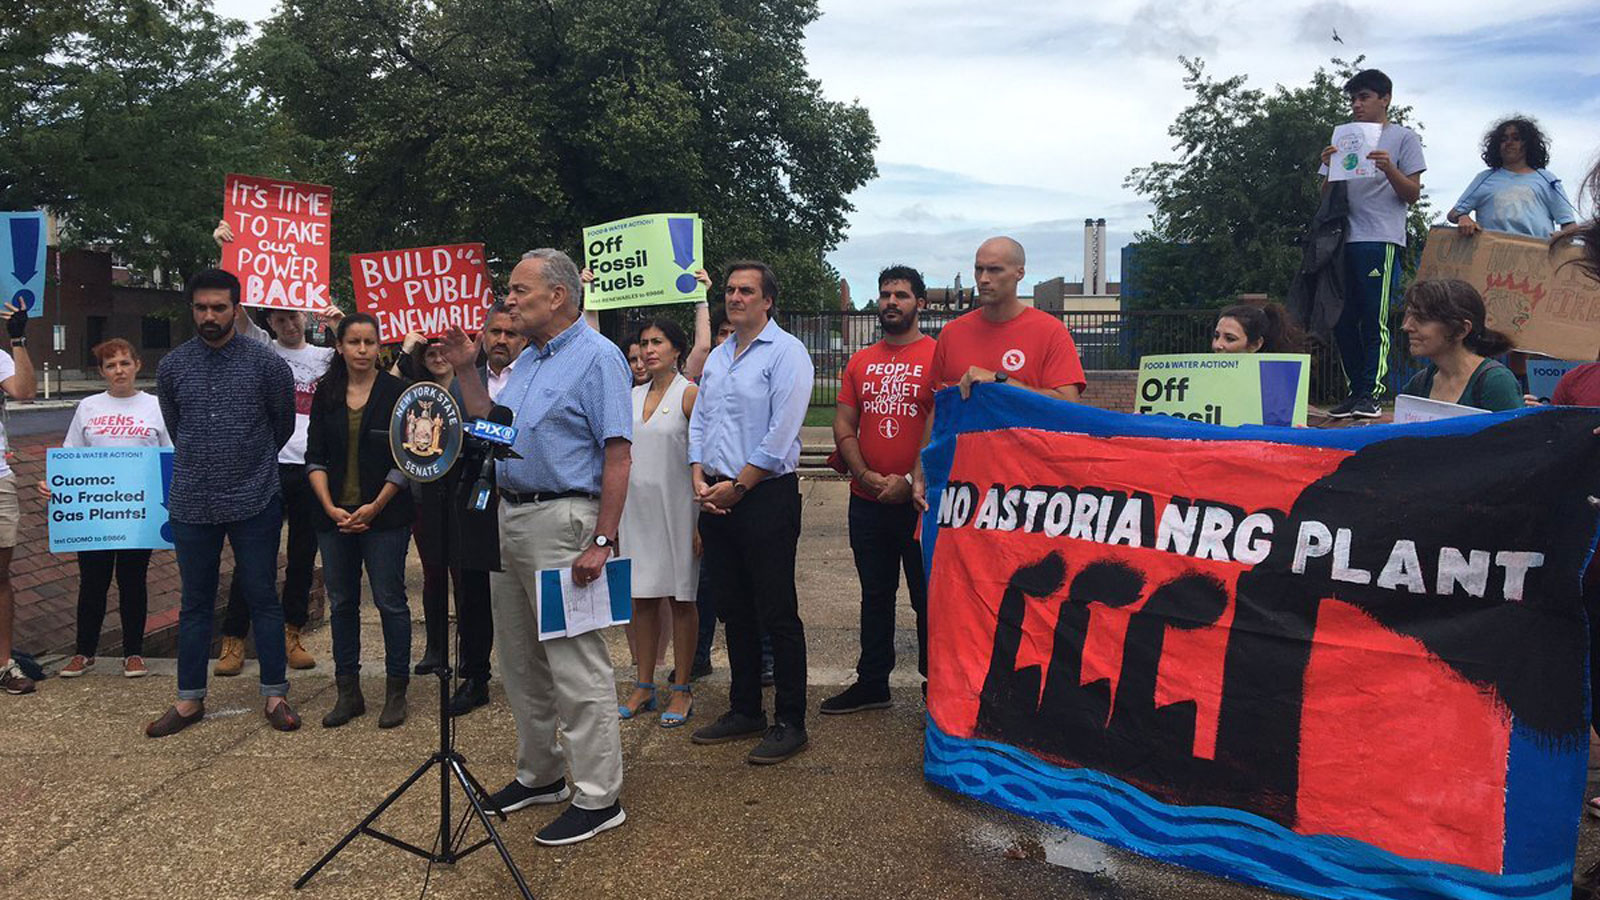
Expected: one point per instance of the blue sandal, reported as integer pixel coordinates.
(672, 719)
(646, 706)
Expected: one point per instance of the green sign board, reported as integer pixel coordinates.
(644, 261)
(1226, 388)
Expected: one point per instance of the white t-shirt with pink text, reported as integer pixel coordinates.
(106, 421)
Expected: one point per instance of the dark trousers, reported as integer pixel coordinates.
(95, 568)
(383, 554)
(255, 564)
(706, 604)
(300, 507)
(1372, 270)
(750, 558)
(474, 620)
(883, 540)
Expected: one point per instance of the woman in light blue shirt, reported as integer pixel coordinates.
(1515, 194)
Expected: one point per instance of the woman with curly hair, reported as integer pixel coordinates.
(1516, 193)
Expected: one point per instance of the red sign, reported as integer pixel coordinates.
(281, 232)
(424, 289)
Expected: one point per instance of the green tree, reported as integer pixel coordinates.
(123, 116)
(516, 123)
(1230, 210)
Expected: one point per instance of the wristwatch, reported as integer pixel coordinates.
(601, 540)
(1001, 378)
(19, 342)
(739, 489)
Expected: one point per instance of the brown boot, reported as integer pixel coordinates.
(394, 702)
(231, 660)
(298, 657)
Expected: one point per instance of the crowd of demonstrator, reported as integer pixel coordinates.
(686, 464)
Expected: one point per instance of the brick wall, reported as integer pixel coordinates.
(1111, 389)
(46, 584)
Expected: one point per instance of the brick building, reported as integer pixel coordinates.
(91, 306)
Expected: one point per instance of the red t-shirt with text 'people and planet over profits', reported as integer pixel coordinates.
(891, 387)
(1034, 348)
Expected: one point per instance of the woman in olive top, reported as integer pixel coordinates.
(1445, 325)
(367, 516)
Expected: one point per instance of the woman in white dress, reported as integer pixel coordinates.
(658, 522)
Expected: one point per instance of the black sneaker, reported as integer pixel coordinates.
(700, 669)
(780, 743)
(515, 795)
(1366, 408)
(1344, 410)
(471, 694)
(731, 727)
(576, 825)
(857, 697)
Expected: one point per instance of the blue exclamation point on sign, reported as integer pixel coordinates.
(681, 229)
(1280, 386)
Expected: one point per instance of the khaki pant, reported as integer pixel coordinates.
(563, 684)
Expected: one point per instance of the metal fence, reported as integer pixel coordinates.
(1106, 340)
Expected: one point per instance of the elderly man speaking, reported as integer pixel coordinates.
(561, 505)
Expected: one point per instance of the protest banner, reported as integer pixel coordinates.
(644, 261)
(1533, 295)
(1409, 409)
(1292, 657)
(1354, 141)
(22, 255)
(1226, 388)
(109, 498)
(1545, 374)
(282, 232)
(423, 289)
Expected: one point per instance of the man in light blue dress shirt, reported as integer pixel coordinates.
(560, 507)
(744, 446)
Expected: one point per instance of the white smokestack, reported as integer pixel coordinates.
(1099, 260)
(1088, 255)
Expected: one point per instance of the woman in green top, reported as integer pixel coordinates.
(366, 516)
(1445, 325)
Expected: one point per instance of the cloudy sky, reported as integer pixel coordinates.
(1024, 116)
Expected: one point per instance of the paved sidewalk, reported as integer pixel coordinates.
(90, 808)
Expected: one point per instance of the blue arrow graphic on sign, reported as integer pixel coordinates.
(24, 248)
(682, 231)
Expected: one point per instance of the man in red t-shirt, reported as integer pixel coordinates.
(1003, 340)
(885, 395)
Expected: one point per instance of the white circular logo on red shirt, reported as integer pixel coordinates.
(1013, 360)
(889, 427)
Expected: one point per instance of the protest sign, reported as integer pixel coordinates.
(109, 498)
(281, 237)
(1353, 140)
(1545, 374)
(1293, 657)
(1226, 388)
(22, 255)
(644, 261)
(1409, 409)
(1533, 295)
(423, 289)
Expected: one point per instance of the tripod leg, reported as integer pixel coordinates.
(371, 817)
(466, 779)
(460, 764)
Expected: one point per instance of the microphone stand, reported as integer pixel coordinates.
(452, 765)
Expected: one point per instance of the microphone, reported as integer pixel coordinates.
(494, 438)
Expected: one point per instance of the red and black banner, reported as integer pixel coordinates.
(1340, 663)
